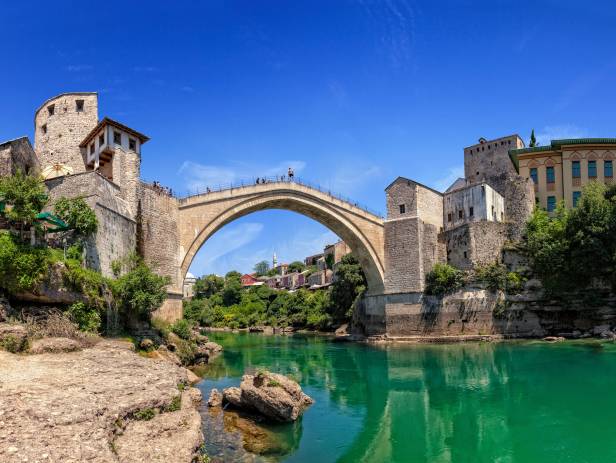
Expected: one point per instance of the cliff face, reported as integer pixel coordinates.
(479, 312)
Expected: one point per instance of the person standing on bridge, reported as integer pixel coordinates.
(291, 174)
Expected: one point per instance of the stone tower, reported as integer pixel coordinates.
(60, 124)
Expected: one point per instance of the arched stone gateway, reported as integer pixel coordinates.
(200, 216)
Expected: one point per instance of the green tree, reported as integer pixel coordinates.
(296, 266)
(21, 266)
(533, 140)
(231, 293)
(24, 196)
(261, 268)
(140, 291)
(78, 215)
(348, 287)
(208, 285)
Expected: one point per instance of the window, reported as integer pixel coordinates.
(576, 197)
(459, 214)
(132, 145)
(101, 140)
(92, 148)
(592, 169)
(607, 169)
(471, 211)
(402, 206)
(50, 109)
(465, 254)
(44, 128)
(575, 169)
(533, 175)
(79, 105)
(549, 174)
(449, 217)
(117, 138)
(551, 203)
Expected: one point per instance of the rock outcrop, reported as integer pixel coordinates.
(85, 405)
(54, 345)
(13, 337)
(274, 396)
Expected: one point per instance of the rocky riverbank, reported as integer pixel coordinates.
(100, 404)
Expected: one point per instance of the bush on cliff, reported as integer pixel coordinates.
(139, 291)
(496, 277)
(22, 266)
(87, 317)
(348, 287)
(444, 278)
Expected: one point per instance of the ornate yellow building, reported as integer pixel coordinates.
(560, 170)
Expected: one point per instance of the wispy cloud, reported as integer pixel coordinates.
(555, 132)
(397, 23)
(187, 89)
(225, 243)
(197, 176)
(453, 173)
(79, 67)
(350, 178)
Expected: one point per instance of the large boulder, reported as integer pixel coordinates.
(13, 337)
(54, 345)
(204, 352)
(215, 399)
(274, 396)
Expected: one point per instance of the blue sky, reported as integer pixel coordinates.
(352, 93)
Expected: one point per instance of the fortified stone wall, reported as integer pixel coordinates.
(127, 171)
(18, 155)
(117, 232)
(476, 243)
(490, 158)
(403, 256)
(157, 242)
(60, 125)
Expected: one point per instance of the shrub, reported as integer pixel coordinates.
(145, 414)
(87, 281)
(11, 344)
(22, 266)
(444, 278)
(140, 291)
(497, 278)
(88, 318)
(182, 328)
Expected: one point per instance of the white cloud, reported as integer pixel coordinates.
(453, 173)
(198, 177)
(555, 132)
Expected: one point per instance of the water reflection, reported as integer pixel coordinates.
(433, 403)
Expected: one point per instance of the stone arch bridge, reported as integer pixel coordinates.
(200, 216)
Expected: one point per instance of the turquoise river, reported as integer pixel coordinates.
(478, 402)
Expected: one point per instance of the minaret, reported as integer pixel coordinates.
(274, 261)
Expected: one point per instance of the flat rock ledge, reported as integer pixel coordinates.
(271, 395)
(101, 404)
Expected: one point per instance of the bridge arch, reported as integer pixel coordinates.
(203, 215)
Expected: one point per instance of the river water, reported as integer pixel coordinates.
(480, 402)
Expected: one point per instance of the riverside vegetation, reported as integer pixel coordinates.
(222, 302)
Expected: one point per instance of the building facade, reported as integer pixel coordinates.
(560, 171)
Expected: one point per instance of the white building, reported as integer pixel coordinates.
(463, 204)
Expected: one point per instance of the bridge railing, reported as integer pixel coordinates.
(275, 179)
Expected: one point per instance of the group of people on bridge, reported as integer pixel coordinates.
(290, 176)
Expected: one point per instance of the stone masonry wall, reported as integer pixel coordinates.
(403, 255)
(18, 155)
(57, 136)
(158, 240)
(116, 234)
(159, 244)
(477, 243)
